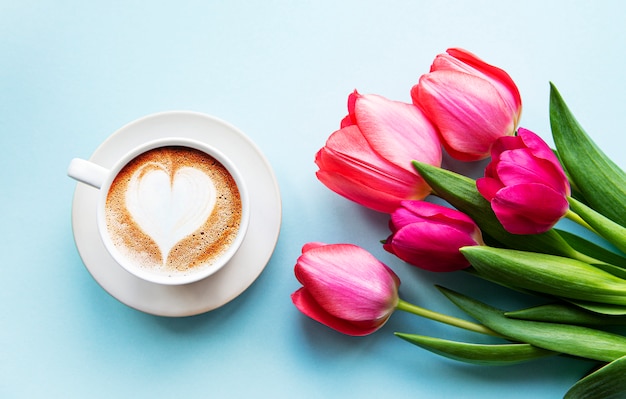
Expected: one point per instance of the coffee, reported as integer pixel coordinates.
(173, 210)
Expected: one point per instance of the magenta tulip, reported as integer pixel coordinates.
(345, 287)
(429, 236)
(525, 184)
(470, 102)
(369, 159)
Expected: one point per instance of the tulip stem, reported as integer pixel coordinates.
(450, 320)
(573, 216)
(601, 225)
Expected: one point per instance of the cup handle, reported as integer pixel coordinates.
(87, 172)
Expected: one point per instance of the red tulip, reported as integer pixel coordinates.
(525, 184)
(345, 287)
(429, 236)
(470, 102)
(369, 159)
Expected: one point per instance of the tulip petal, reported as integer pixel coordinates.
(358, 287)
(488, 187)
(497, 76)
(525, 183)
(382, 199)
(471, 103)
(436, 212)
(536, 144)
(346, 121)
(305, 303)
(348, 147)
(365, 170)
(397, 131)
(506, 143)
(522, 166)
(369, 159)
(349, 166)
(311, 245)
(529, 208)
(433, 247)
(468, 111)
(350, 119)
(423, 211)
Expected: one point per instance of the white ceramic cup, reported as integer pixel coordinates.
(101, 178)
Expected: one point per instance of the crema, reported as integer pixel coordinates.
(173, 210)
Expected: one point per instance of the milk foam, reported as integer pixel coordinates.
(173, 210)
(169, 208)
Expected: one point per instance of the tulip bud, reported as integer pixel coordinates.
(429, 236)
(345, 287)
(470, 102)
(525, 184)
(369, 159)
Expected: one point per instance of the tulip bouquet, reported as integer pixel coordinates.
(387, 156)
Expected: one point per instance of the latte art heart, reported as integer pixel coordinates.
(173, 211)
(169, 207)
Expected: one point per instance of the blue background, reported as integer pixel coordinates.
(73, 72)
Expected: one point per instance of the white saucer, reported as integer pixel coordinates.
(232, 279)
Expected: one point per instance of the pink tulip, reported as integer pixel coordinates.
(470, 102)
(525, 184)
(345, 287)
(369, 159)
(429, 236)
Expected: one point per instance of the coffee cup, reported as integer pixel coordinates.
(171, 211)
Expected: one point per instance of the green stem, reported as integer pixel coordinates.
(603, 226)
(573, 216)
(587, 259)
(442, 318)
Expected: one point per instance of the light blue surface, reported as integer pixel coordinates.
(73, 72)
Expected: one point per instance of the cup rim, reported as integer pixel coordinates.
(179, 279)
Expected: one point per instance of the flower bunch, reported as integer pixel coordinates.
(501, 227)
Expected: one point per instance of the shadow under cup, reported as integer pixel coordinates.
(173, 211)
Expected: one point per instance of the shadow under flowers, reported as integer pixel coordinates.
(474, 169)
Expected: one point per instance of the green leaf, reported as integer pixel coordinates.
(490, 355)
(592, 250)
(567, 314)
(460, 192)
(605, 227)
(549, 274)
(601, 181)
(564, 338)
(605, 383)
(473, 271)
(602, 308)
(611, 269)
